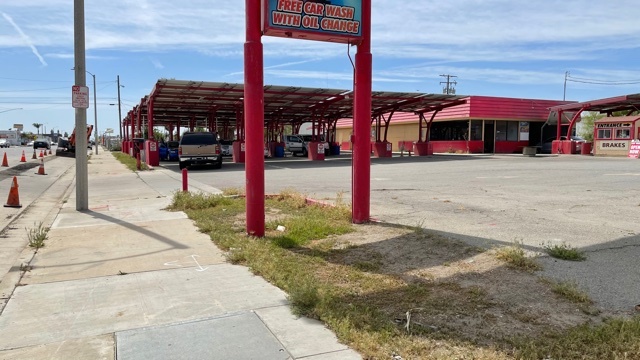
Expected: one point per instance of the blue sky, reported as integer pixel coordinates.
(494, 47)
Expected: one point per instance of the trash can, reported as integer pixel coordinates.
(585, 149)
(335, 149)
(279, 151)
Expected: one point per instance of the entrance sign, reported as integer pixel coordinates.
(80, 97)
(335, 21)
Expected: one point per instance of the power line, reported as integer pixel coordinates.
(600, 82)
(449, 89)
(27, 90)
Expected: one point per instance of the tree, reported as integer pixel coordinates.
(159, 135)
(37, 126)
(587, 124)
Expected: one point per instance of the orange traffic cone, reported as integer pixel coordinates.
(41, 154)
(23, 159)
(14, 197)
(41, 168)
(34, 154)
(5, 163)
(49, 151)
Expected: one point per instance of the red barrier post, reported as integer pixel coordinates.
(185, 180)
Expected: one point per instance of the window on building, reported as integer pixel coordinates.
(623, 133)
(476, 130)
(507, 130)
(604, 133)
(449, 130)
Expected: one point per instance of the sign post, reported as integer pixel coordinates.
(341, 21)
(80, 97)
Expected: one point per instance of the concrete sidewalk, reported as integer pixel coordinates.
(127, 279)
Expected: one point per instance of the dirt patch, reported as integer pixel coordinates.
(456, 288)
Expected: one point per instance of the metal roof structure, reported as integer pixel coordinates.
(199, 101)
(606, 106)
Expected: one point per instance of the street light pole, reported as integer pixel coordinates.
(95, 112)
(564, 94)
(119, 111)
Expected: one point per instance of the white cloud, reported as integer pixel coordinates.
(457, 30)
(157, 64)
(25, 38)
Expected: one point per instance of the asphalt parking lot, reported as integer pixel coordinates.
(592, 203)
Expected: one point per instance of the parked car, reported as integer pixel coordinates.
(294, 144)
(169, 151)
(4, 143)
(41, 144)
(30, 143)
(546, 146)
(226, 147)
(299, 144)
(199, 148)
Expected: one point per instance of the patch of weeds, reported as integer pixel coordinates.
(615, 339)
(304, 297)
(233, 191)
(37, 235)
(418, 228)
(568, 290)
(25, 267)
(564, 251)
(340, 198)
(129, 161)
(516, 258)
(368, 266)
(285, 242)
(197, 201)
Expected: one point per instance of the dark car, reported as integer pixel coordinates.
(41, 144)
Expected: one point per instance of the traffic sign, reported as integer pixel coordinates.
(80, 97)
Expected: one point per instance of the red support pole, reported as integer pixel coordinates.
(150, 119)
(362, 123)
(559, 127)
(185, 180)
(139, 117)
(133, 125)
(254, 119)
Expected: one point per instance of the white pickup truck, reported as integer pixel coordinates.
(298, 144)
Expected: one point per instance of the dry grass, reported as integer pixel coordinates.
(382, 309)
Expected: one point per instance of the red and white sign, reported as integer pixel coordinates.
(634, 149)
(80, 97)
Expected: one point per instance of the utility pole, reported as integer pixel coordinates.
(119, 110)
(82, 177)
(564, 94)
(449, 89)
